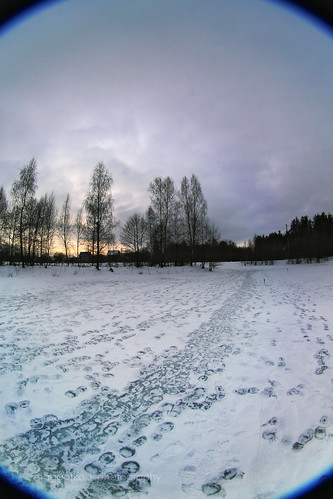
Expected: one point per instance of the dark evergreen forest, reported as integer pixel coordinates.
(306, 239)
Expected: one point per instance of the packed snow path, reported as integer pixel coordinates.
(168, 382)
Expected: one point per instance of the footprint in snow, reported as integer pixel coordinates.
(319, 432)
(269, 392)
(295, 391)
(282, 362)
(273, 421)
(244, 391)
(215, 488)
(269, 435)
(210, 489)
(127, 452)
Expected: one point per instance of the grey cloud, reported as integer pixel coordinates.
(239, 94)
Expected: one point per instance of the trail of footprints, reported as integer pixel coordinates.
(104, 440)
(109, 420)
(320, 432)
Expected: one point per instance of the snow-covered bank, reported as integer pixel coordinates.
(198, 382)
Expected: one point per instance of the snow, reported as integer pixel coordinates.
(193, 382)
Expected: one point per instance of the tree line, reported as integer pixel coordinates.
(175, 227)
(306, 239)
(30, 227)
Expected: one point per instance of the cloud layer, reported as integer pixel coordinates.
(239, 93)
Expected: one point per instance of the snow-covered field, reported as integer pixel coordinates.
(174, 382)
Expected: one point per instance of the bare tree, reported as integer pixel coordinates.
(134, 234)
(176, 229)
(45, 226)
(13, 221)
(89, 230)
(151, 231)
(78, 225)
(3, 215)
(31, 213)
(99, 204)
(39, 214)
(50, 221)
(209, 233)
(64, 225)
(162, 195)
(209, 238)
(194, 208)
(23, 190)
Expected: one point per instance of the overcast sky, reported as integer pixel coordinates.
(238, 92)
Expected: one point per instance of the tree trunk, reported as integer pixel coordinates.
(97, 243)
(21, 238)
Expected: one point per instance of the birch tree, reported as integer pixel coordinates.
(194, 208)
(134, 234)
(162, 195)
(22, 191)
(64, 225)
(3, 215)
(78, 226)
(99, 206)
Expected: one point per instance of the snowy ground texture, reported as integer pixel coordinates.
(167, 383)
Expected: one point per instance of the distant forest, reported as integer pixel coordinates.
(306, 239)
(175, 229)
